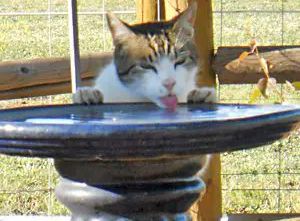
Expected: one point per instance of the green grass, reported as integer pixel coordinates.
(266, 179)
(262, 172)
(27, 184)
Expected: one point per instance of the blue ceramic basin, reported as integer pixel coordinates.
(136, 161)
(113, 131)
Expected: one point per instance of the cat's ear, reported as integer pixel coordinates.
(184, 22)
(118, 28)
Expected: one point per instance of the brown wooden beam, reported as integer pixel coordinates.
(285, 63)
(174, 7)
(210, 207)
(28, 75)
(146, 10)
(38, 77)
(205, 44)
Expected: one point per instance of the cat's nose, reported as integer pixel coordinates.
(169, 83)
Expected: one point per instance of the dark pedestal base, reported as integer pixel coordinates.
(156, 189)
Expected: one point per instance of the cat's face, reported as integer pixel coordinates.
(156, 60)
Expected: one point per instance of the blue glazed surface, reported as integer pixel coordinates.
(129, 130)
(147, 115)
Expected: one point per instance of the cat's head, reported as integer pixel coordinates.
(156, 60)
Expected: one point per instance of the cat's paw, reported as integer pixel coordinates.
(202, 95)
(87, 95)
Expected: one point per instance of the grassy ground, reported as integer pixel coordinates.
(270, 174)
(266, 179)
(27, 184)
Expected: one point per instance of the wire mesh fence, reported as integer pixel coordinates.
(262, 180)
(39, 29)
(267, 179)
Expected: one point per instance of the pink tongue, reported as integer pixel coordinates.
(170, 102)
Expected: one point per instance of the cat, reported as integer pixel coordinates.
(155, 62)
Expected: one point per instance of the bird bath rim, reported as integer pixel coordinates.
(193, 129)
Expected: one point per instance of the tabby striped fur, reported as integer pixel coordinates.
(154, 62)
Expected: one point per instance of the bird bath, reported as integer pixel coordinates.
(136, 161)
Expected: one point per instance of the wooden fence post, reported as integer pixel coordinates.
(204, 38)
(210, 207)
(146, 10)
(174, 7)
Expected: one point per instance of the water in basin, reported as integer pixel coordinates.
(152, 115)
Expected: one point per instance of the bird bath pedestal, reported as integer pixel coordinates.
(136, 161)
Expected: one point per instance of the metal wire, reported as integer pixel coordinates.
(261, 189)
(49, 161)
(61, 13)
(246, 174)
(255, 11)
(19, 191)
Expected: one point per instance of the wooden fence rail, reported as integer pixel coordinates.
(38, 77)
(285, 64)
(49, 76)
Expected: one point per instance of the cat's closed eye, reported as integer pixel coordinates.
(179, 62)
(149, 67)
